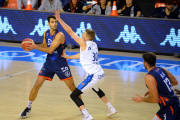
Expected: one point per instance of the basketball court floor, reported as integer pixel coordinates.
(124, 78)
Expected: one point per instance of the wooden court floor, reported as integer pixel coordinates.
(53, 101)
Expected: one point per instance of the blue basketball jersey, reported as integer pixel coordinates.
(56, 55)
(165, 90)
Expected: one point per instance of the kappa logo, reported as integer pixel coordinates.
(127, 36)
(5, 26)
(172, 38)
(82, 28)
(67, 74)
(40, 28)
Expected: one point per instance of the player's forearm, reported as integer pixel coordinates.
(44, 49)
(42, 45)
(151, 100)
(66, 27)
(77, 56)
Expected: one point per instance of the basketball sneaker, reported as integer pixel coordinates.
(89, 117)
(25, 112)
(112, 111)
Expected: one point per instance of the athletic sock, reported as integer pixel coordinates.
(85, 112)
(109, 105)
(29, 104)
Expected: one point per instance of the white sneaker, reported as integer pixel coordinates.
(89, 117)
(112, 111)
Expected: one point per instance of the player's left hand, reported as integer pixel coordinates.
(137, 99)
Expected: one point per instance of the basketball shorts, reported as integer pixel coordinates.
(169, 112)
(58, 67)
(92, 81)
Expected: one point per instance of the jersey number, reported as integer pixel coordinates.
(95, 55)
(168, 84)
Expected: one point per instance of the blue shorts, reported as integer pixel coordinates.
(58, 67)
(169, 112)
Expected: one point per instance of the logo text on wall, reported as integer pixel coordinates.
(5, 26)
(127, 36)
(172, 38)
(40, 28)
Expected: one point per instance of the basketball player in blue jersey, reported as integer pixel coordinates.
(89, 60)
(159, 82)
(54, 45)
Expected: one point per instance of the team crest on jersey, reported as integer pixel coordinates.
(82, 83)
(67, 74)
(49, 41)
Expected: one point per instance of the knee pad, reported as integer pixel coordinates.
(100, 93)
(75, 97)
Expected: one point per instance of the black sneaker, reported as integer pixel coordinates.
(25, 112)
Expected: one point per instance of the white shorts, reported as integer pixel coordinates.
(92, 81)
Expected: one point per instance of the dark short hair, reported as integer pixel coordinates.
(169, 2)
(150, 58)
(51, 16)
(91, 34)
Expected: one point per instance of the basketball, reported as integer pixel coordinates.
(25, 43)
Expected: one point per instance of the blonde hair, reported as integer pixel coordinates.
(91, 34)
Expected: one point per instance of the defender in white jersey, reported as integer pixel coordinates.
(89, 60)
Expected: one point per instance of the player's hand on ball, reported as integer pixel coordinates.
(31, 47)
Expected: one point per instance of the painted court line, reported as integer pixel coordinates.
(17, 73)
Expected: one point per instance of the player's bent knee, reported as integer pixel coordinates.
(75, 97)
(75, 93)
(100, 93)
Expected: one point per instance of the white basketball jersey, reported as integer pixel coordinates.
(89, 58)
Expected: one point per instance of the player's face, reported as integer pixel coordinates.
(84, 35)
(52, 23)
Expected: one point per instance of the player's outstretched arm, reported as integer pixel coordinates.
(77, 56)
(68, 29)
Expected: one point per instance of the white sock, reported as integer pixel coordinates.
(109, 105)
(29, 104)
(85, 112)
